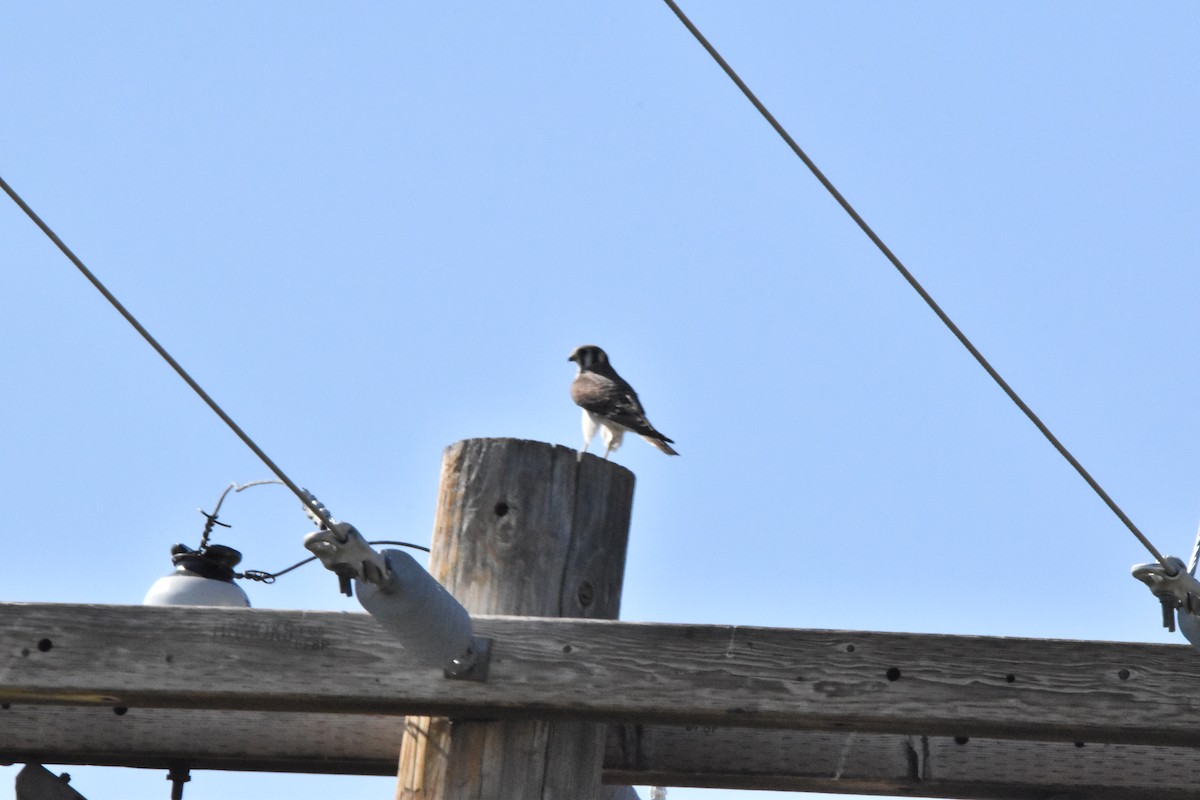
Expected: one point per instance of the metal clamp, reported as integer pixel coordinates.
(1177, 591)
(344, 551)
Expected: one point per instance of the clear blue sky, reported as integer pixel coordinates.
(373, 229)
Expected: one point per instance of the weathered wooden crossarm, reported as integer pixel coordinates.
(892, 764)
(735, 758)
(251, 659)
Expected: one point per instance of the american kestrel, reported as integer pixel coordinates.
(609, 403)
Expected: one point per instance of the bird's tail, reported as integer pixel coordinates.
(661, 444)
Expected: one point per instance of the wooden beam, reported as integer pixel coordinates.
(158, 738)
(733, 758)
(320, 662)
(889, 764)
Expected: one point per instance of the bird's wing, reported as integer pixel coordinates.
(635, 420)
(613, 399)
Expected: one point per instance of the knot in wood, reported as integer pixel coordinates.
(586, 594)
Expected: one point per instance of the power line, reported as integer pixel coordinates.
(908, 276)
(269, 577)
(305, 498)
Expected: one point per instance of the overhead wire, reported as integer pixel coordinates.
(916, 285)
(269, 577)
(305, 497)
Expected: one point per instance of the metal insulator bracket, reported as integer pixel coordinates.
(406, 600)
(345, 552)
(1179, 593)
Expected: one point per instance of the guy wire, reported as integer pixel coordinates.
(908, 276)
(305, 498)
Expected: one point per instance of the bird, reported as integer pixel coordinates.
(609, 403)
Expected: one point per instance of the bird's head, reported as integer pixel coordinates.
(588, 356)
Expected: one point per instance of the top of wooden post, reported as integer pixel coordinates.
(529, 528)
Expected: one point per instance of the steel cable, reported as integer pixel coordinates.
(304, 497)
(912, 281)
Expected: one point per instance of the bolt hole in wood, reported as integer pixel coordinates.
(501, 508)
(1123, 674)
(849, 648)
(567, 648)
(1010, 678)
(893, 674)
(120, 711)
(961, 739)
(44, 645)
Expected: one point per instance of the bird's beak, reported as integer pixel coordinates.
(571, 357)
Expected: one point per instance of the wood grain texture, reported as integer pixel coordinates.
(259, 741)
(525, 529)
(598, 670)
(734, 758)
(887, 764)
(522, 528)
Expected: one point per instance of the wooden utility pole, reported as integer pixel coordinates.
(525, 529)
